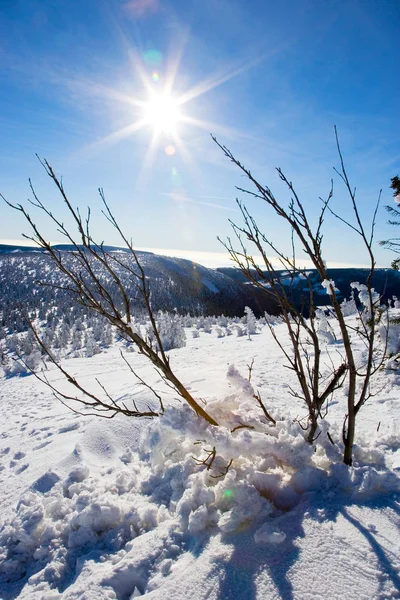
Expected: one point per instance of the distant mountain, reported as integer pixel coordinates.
(385, 281)
(176, 285)
(28, 279)
(9, 248)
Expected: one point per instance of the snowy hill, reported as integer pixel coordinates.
(13, 248)
(385, 281)
(176, 284)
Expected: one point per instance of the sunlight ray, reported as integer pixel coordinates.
(94, 88)
(118, 135)
(137, 64)
(174, 64)
(133, 54)
(188, 199)
(212, 127)
(209, 84)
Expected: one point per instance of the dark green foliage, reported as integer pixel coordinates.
(394, 243)
(395, 185)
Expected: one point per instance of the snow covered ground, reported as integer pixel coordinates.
(119, 509)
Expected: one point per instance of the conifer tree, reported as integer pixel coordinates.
(394, 243)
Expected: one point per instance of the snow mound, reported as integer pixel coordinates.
(186, 482)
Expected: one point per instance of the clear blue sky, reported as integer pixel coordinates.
(270, 78)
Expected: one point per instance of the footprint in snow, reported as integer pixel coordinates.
(45, 482)
(43, 445)
(17, 457)
(22, 468)
(70, 427)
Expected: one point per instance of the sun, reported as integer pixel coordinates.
(155, 104)
(162, 113)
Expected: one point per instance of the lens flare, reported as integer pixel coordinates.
(152, 57)
(176, 179)
(170, 150)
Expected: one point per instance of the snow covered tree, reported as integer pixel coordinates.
(172, 334)
(324, 329)
(251, 321)
(91, 348)
(106, 338)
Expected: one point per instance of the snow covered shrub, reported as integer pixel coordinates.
(12, 368)
(187, 321)
(33, 360)
(238, 472)
(12, 344)
(389, 331)
(349, 307)
(171, 332)
(222, 321)
(251, 321)
(91, 348)
(324, 329)
(207, 325)
(368, 298)
(106, 337)
(272, 319)
(76, 342)
(195, 333)
(239, 331)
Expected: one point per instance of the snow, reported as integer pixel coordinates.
(329, 286)
(98, 509)
(209, 284)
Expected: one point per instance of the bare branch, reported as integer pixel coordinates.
(85, 277)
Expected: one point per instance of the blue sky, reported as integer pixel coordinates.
(270, 79)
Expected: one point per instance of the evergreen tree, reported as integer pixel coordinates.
(394, 243)
(395, 185)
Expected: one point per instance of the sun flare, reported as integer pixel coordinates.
(156, 106)
(162, 112)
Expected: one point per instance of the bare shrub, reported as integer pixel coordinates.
(316, 384)
(84, 278)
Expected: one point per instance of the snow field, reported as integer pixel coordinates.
(172, 508)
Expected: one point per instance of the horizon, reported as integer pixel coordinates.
(211, 260)
(124, 94)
